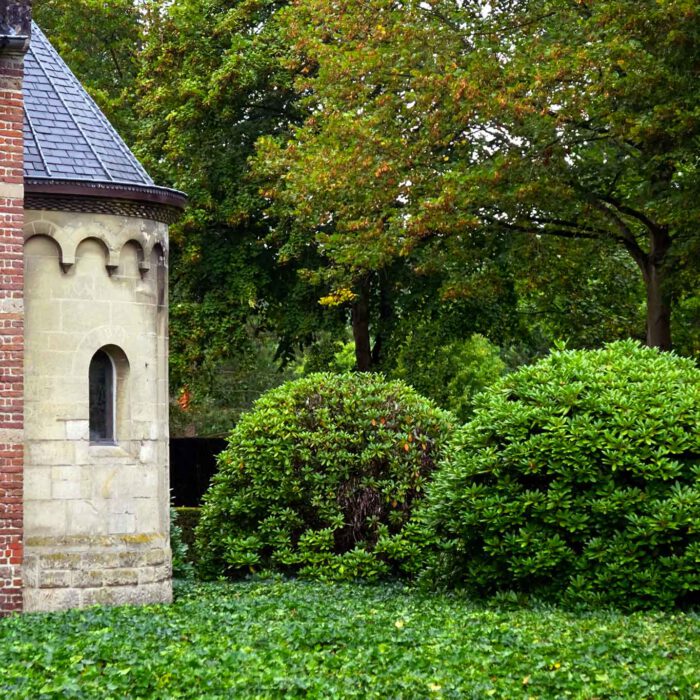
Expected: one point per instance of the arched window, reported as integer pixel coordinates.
(102, 398)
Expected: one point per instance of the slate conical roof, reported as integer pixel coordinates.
(69, 146)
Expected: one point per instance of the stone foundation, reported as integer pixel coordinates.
(80, 571)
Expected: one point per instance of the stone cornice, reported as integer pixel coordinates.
(121, 199)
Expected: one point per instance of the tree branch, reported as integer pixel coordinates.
(561, 233)
(624, 209)
(627, 237)
(571, 224)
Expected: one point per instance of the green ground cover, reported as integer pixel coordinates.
(291, 639)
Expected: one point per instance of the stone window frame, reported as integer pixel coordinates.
(118, 400)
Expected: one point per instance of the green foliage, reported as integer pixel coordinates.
(320, 477)
(327, 354)
(688, 315)
(578, 477)
(430, 121)
(314, 641)
(450, 374)
(221, 391)
(687, 297)
(182, 566)
(212, 83)
(585, 292)
(379, 184)
(186, 519)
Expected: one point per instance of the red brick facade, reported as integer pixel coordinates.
(11, 331)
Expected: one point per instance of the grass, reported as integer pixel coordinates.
(274, 639)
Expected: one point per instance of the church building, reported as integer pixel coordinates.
(84, 487)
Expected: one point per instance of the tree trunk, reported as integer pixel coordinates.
(658, 310)
(360, 328)
(386, 312)
(658, 304)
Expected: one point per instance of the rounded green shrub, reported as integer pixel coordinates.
(579, 478)
(319, 479)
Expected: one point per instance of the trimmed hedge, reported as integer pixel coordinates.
(320, 477)
(578, 477)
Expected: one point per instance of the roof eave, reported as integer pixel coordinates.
(109, 190)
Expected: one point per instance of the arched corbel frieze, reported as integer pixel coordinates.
(42, 227)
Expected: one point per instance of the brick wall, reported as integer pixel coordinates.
(11, 331)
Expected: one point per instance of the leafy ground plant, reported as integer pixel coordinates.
(285, 639)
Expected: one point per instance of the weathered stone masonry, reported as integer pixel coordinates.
(96, 513)
(12, 49)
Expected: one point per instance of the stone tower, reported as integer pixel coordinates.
(95, 526)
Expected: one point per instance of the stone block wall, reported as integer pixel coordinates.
(96, 516)
(11, 331)
(76, 572)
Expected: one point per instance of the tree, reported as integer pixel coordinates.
(213, 82)
(427, 120)
(102, 44)
(191, 85)
(585, 292)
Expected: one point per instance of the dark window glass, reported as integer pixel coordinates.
(101, 398)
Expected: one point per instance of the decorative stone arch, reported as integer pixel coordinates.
(40, 226)
(111, 253)
(144, 261)
(70, 237)
(54, 244)
(117, 345)
(48, 229)
(146, 235)
(97, 338)
(159, 244)
(158, 257)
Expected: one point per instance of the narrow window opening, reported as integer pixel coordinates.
(102, 398)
